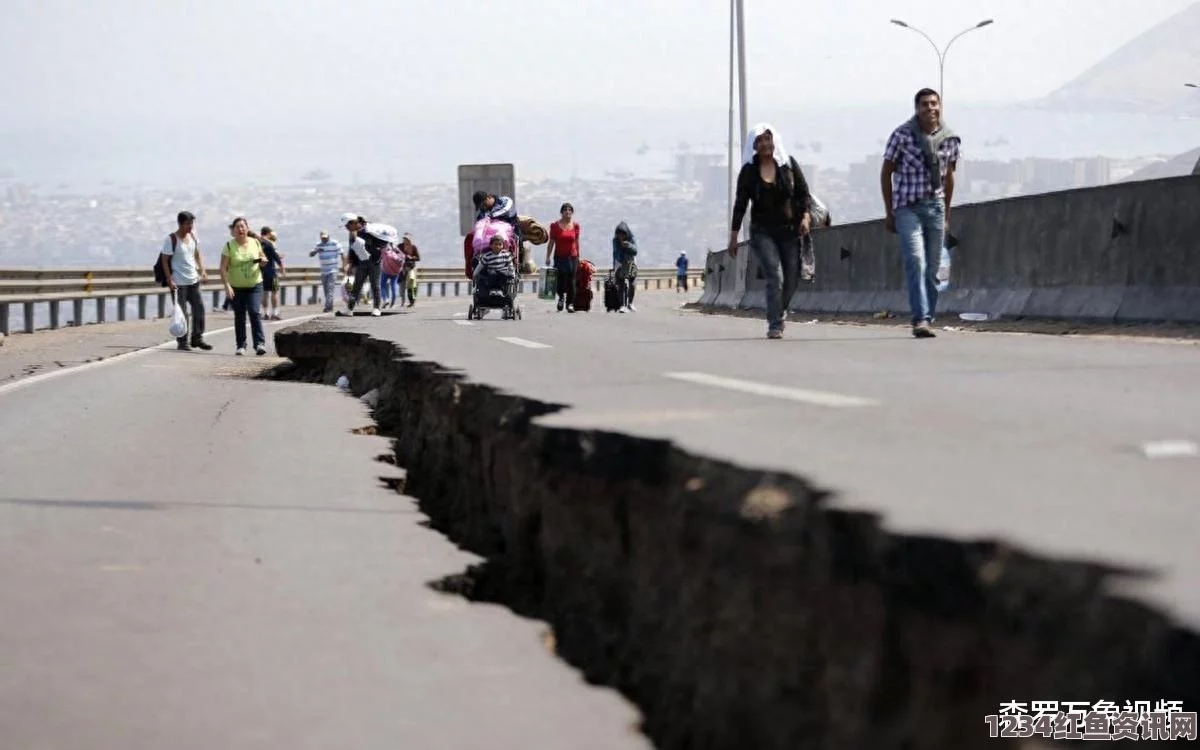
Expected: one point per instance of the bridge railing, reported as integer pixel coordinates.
(39, 294)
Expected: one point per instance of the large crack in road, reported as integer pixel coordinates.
(733, 606)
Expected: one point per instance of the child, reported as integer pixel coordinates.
(495, 263)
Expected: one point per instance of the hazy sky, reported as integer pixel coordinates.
(214, 90)
(321, 58)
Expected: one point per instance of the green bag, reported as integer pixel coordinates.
(549, 286)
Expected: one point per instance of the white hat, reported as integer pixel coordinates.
(347, 218)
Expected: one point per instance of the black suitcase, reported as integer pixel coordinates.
(612, 294)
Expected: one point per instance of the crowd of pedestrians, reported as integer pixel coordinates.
(917, 187)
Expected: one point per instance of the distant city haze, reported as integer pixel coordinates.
(228, 90)
(173, 99)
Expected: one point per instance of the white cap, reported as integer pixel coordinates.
(347, 218)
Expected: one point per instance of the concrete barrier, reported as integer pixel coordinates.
(713, 263)
(727, 292)
(1123, 253)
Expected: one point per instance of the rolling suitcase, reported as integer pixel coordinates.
(612, 294)
(583, 299)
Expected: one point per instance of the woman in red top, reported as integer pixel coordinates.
(564, 248)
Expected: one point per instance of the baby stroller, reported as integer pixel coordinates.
(492, 289)
(494, 292)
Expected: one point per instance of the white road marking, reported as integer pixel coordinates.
(524, 342)
(125, 356)
(818, 398)
(1170, 449)
(460, 315)
(463, 323)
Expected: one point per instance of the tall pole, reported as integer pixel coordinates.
(729, 187)
(741, 45)
(941, 53)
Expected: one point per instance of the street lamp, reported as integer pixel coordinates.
(941, 53)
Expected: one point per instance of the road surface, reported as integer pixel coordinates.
(196, 560)
(1072, 447)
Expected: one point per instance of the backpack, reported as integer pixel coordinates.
(160, 277)
(392, 261)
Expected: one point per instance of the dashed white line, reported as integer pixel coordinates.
(817, 398)
(524, 342)
(1170, 449)
(463, 323)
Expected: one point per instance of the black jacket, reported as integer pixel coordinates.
(778, 208)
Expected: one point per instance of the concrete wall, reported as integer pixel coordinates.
(1051, 256)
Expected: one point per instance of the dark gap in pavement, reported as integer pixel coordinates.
(733, 606)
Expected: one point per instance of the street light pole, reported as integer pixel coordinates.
(741, 45)
(941, 53)
(732, 66)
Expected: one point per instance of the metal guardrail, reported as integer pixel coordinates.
(115, 287)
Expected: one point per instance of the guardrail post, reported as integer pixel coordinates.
(28, 317)
(141, 307)
(216, 298)
(299, 295)
(313, 299)
(4, 318)
(457, 287)
(77, 311)
(121, 309)
(54, 314)
(429, 289)
(162, 305)
(443, 289)
(100, 312)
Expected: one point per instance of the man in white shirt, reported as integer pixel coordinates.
(332, 258)
(184, 268)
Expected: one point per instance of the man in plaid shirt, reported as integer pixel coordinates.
(918, 184)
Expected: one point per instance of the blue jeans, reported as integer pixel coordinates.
(922, 230)
(248, 301)
(390, 287)
(778, 253)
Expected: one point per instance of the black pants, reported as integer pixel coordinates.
(627, 282)
(362, 272)
(248, 302)
(186, 296)
(564, 274)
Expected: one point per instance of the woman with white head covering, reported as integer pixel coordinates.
(774, 183)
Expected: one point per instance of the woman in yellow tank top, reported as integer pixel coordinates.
(242, 261)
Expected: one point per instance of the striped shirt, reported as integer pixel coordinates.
(330, 254)
(493, 262)
(911, 178)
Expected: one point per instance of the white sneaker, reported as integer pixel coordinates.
(241, 351)
(632, 308)
(260, 350)
(376, 312)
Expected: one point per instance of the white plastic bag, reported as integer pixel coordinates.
(943, 272)
(179, 323)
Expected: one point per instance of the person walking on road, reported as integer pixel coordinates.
(268, 238)
(365, 256)
(184, 268)
(917, 181)
(412, 256)
(564, 249)
(331, 256)
(681, 269)
(242, 262)
(624, 260)
(774, 183)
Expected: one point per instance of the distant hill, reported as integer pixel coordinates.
(1183, 164)
(1147, 75)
